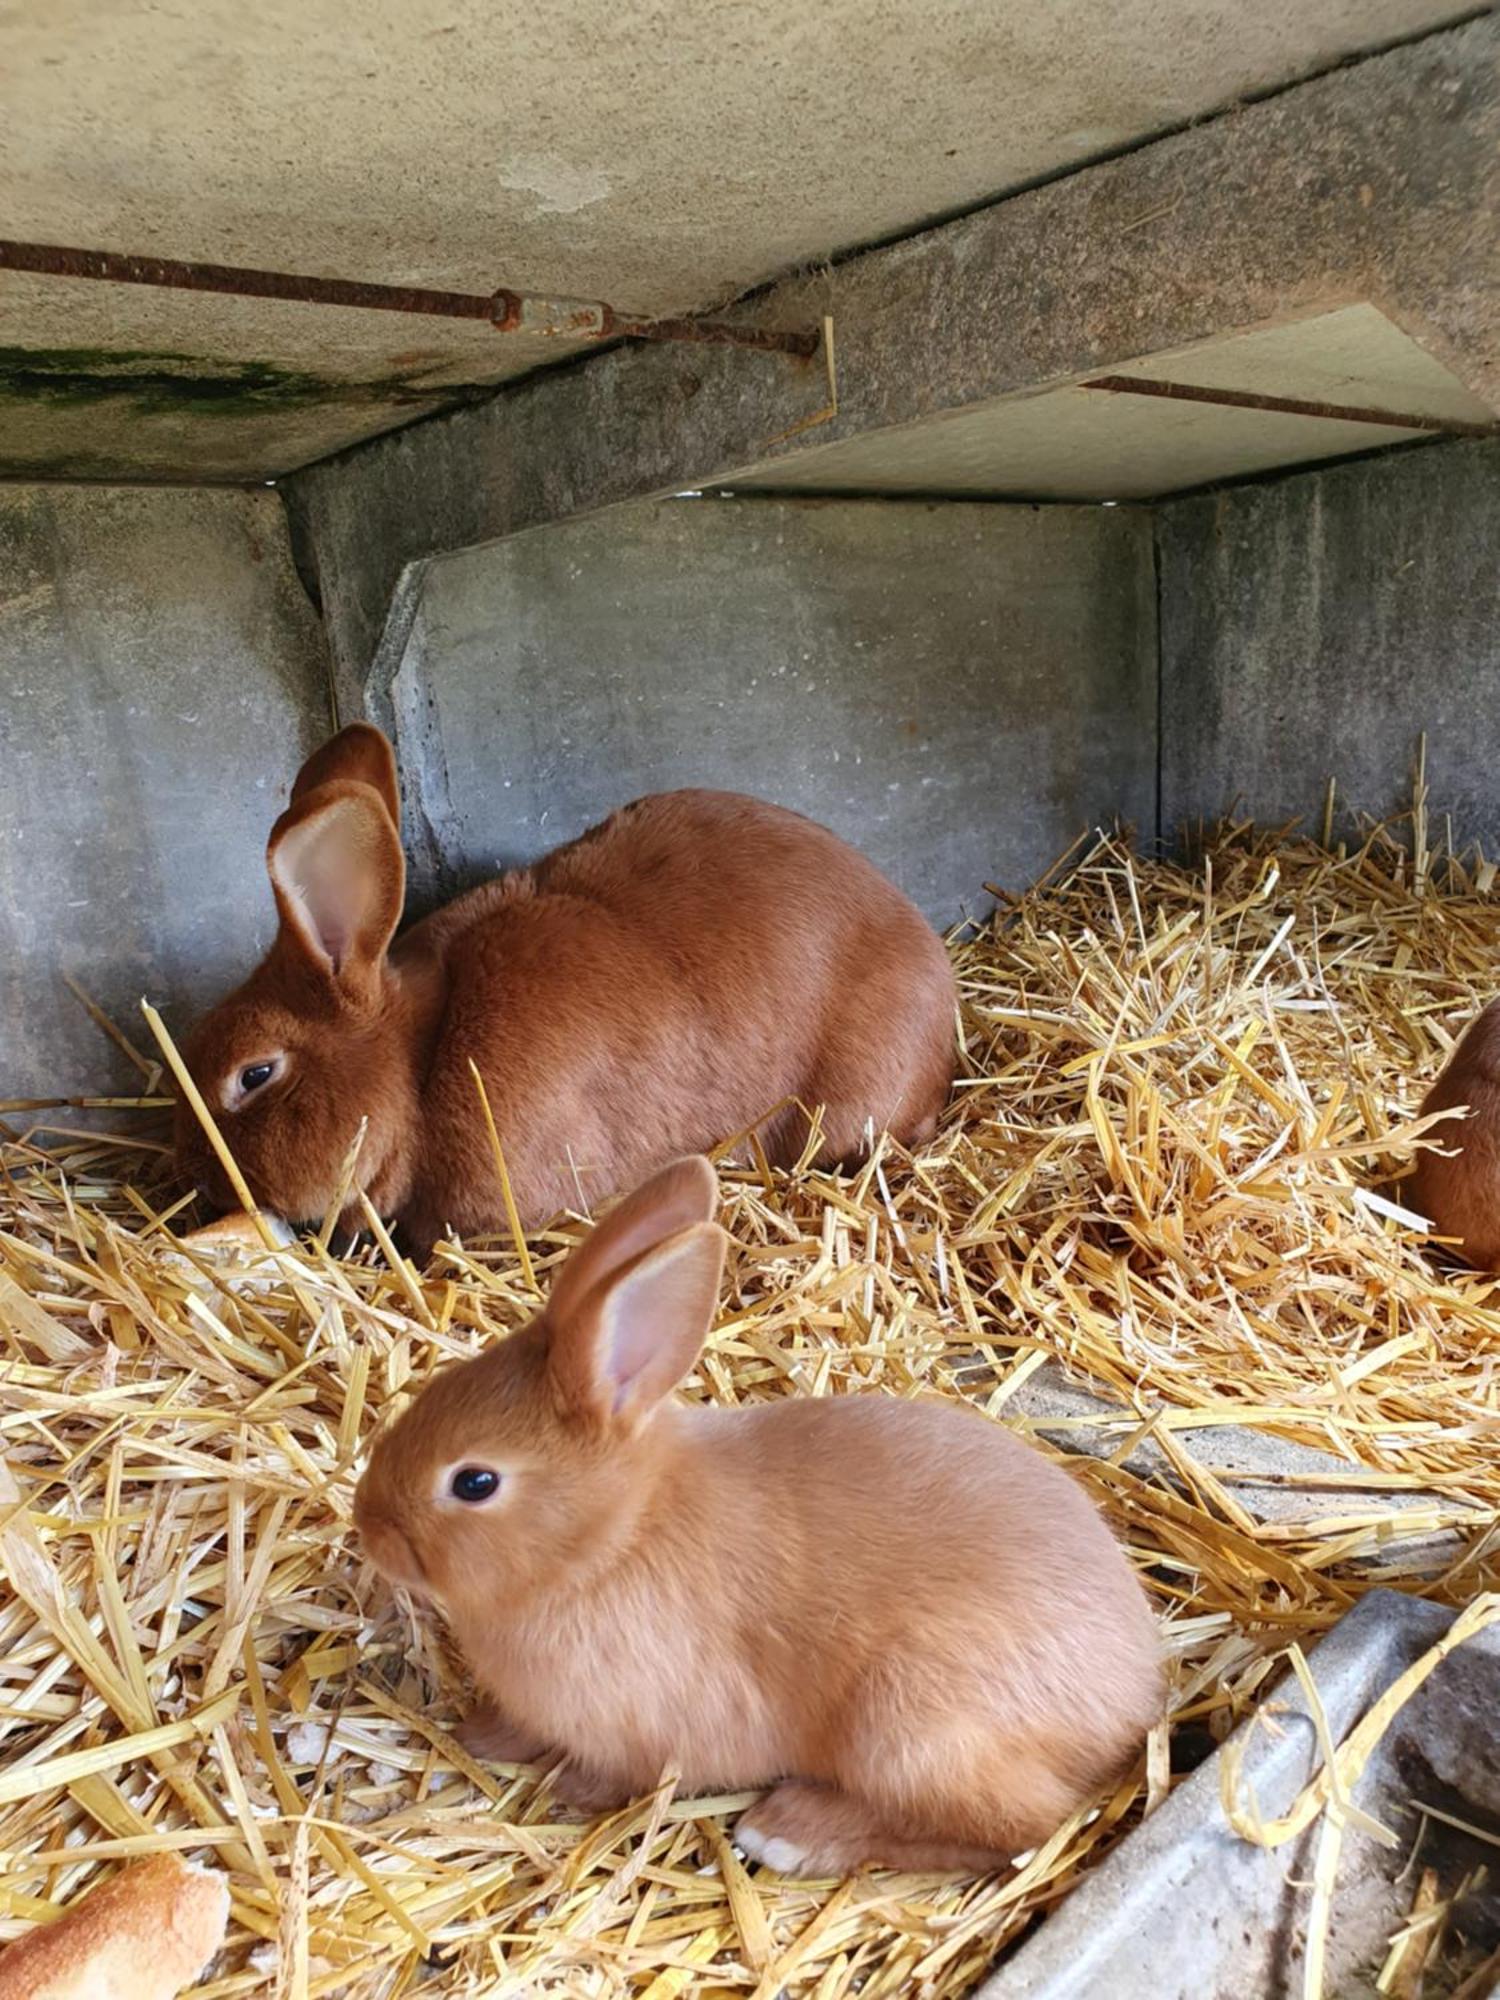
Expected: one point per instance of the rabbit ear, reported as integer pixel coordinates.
(361, 753)
(630, 1342)
(685, 1192)
(339, 878)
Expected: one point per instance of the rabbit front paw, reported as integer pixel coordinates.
(797, 1830)
(486, 1734)
(588, 1791)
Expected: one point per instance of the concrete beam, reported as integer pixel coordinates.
(1379, 182)
(1285, 1487)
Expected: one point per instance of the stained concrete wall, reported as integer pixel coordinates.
(161, 675)
(958, 688)
(1315, 626)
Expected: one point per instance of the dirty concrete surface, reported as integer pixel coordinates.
(1184, 1909)
(1377, 183)
(959, 690)
(1317, 627)
(162, 674)
(664, 160)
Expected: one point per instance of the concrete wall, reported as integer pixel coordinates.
(960, 688)
(1317, 625)
(161, 675)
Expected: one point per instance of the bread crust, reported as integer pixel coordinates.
(145, 1934)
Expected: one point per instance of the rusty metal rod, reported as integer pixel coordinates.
(54, 261)
(1285, 406)
(507, 311)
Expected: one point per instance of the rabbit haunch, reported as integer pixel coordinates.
(912, 1627)
(659, 984)
(1456, 1181)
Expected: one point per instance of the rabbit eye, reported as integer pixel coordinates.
(473, 1483)
(257, 1074)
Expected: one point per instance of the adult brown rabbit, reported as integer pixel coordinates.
(910, 1624)
(657, 985)
(1457, 1188)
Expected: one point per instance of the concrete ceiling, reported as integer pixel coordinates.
(664, 159)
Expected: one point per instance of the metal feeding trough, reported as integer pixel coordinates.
(1187, 1910)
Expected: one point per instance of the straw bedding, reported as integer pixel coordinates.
(1176, 1080)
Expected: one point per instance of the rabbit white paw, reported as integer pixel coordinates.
(784, 1856)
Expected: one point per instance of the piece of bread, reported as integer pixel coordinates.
(144, 1934)
(238, 1231)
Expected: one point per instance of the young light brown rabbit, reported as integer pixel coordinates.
(658, 985)
(1458, 1189)
(913, 1628)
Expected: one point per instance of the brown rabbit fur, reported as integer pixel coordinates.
(1458, 1189)
(659, 984)
(912, 1626)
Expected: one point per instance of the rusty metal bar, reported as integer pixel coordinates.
(507, 311)
(587, 319)
(53, 261)
(1285, 406)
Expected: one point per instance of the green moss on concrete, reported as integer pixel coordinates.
(163, 384)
